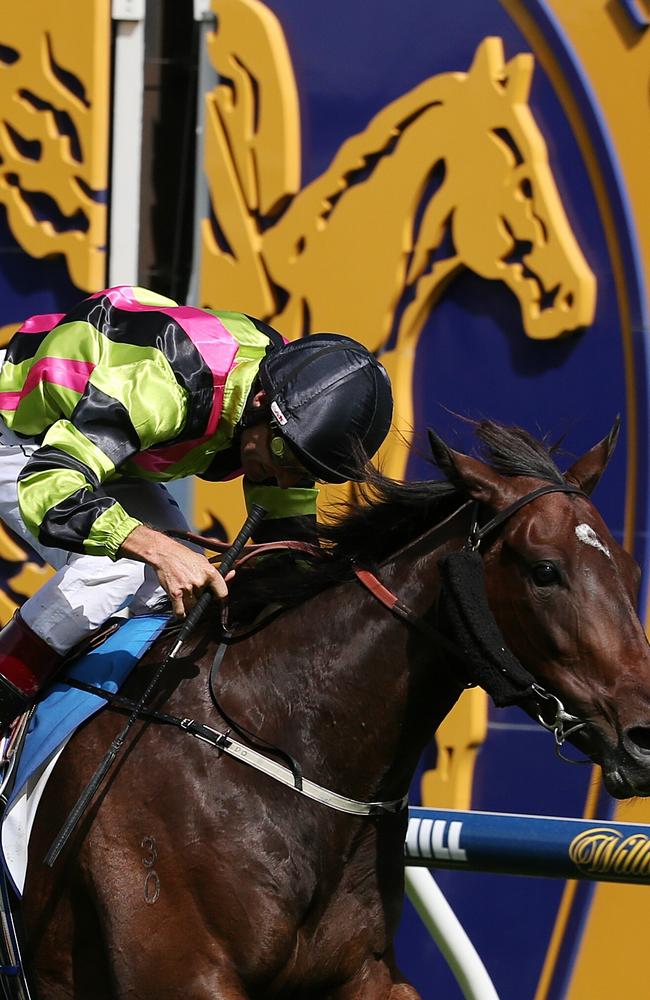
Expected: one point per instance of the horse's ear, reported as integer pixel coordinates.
(488, 59)
(586, 472)
(469, 475)
(519, 75)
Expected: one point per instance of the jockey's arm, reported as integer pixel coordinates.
(60, 490)
(122, 411)
(184, 573)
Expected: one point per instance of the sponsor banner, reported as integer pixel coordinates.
(528, 845)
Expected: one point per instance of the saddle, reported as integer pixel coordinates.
(104, 661)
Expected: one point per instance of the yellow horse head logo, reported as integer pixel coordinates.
(452, 175)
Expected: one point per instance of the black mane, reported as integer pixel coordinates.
(391, 514)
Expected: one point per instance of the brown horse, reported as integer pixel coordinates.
(196, 876)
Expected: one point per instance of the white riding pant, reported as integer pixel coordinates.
(85, 590)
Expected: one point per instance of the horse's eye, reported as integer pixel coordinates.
(545, 574)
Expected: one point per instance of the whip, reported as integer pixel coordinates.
(230, 556)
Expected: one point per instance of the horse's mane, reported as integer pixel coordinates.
(390, 515)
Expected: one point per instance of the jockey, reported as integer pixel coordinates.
(101, 406)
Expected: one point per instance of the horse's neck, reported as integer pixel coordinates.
(402, 667)
(344, 686)
(387, 163)
(378, 185)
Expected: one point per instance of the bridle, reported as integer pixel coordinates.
(562, 724)
(548, 709)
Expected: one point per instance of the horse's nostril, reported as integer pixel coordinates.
(640, 737)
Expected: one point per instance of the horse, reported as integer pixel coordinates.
(195, 875)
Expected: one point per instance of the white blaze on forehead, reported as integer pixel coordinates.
(587, 535)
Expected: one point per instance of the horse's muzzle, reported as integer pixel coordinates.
(626, 769)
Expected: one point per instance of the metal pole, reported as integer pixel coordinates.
(128, 90)
(207, 79)
(449, 934)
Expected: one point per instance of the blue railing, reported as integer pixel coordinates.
(528, 845)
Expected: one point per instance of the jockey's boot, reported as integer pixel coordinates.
(26, 664)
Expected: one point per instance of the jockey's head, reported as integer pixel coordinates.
(327, 404)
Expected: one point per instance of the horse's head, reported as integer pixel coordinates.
(563, 592)
(508, 222)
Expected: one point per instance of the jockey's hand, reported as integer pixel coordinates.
(183, 573)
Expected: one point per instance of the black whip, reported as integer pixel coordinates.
(230, 556)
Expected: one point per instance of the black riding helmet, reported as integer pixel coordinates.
(331, 400)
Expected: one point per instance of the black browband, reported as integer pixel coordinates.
(478, 533)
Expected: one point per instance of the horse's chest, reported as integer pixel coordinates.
(345, 928)
(333, 951)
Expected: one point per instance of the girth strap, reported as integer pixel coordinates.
(248, 755)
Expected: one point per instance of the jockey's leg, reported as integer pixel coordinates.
(26, 664)
(83, 593)
(26, 659)
(88, 590)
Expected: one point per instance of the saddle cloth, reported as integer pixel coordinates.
(57, 716)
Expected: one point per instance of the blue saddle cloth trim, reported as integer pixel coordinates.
(65, 708)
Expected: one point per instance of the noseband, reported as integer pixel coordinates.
(561, 723)
(549, 710)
